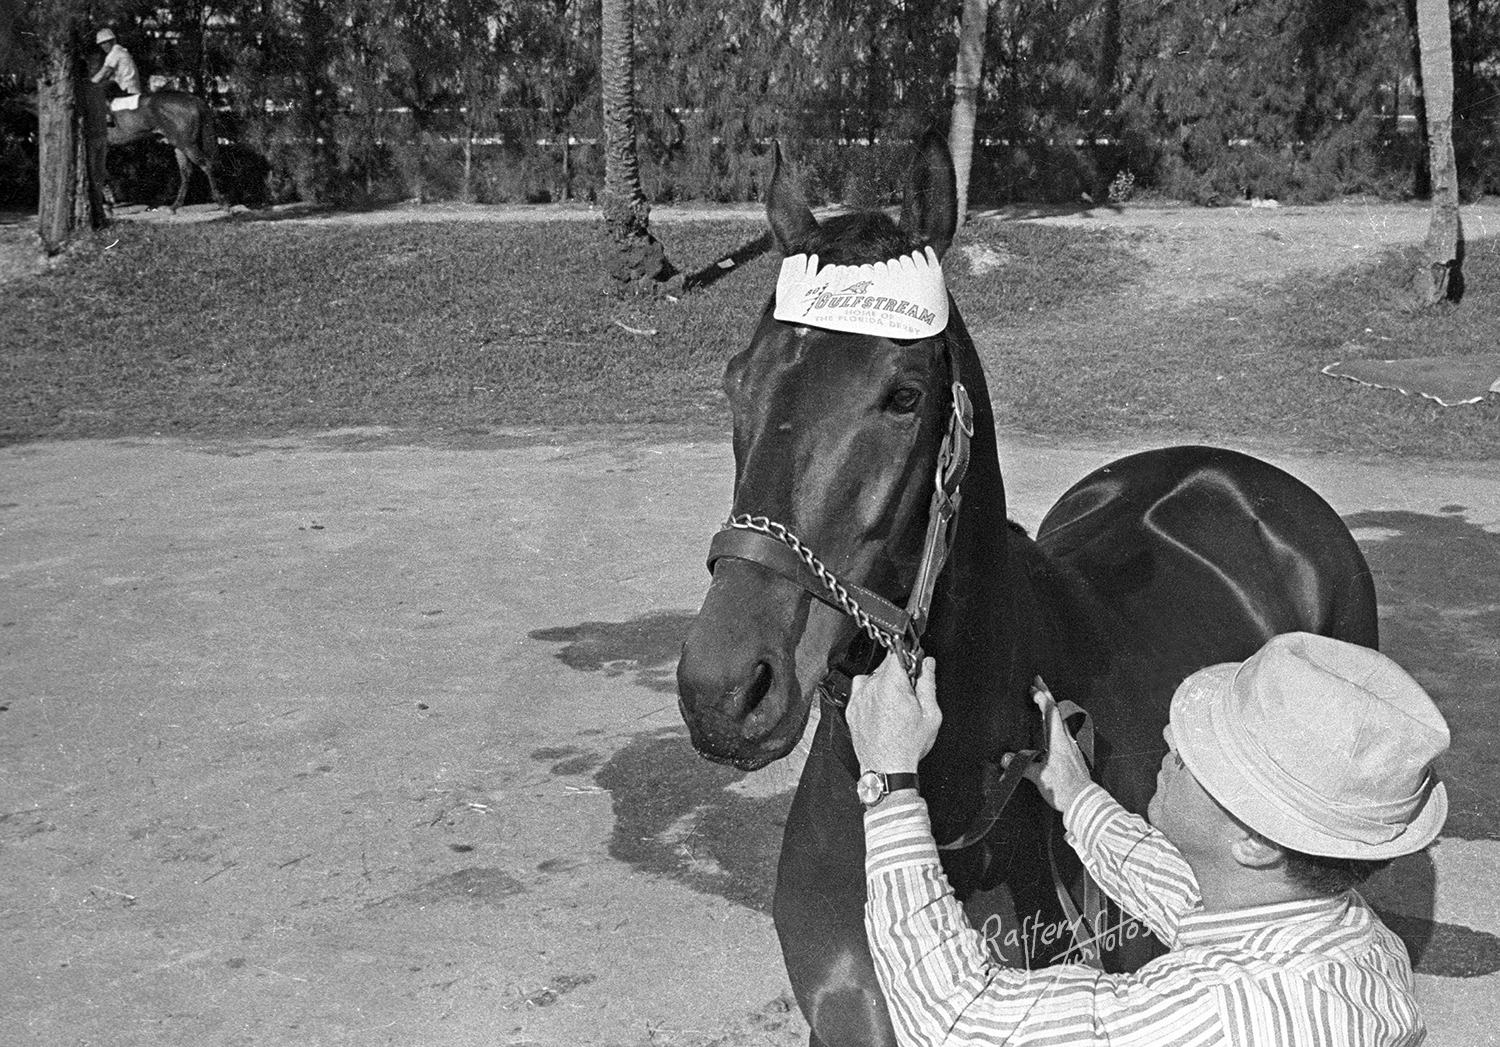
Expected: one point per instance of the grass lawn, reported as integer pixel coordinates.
(1247, 367)
(260, 328)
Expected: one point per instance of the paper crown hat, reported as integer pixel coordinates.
(903, 298)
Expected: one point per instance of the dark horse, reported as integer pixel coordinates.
(1146, 570)
(183, 121)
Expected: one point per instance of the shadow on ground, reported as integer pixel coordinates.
(1440, 618)
(677, 815)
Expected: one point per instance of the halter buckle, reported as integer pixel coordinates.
(963, 410)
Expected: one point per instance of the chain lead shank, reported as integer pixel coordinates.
(907, 648)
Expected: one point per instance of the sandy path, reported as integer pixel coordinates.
(305, 744)
(330, 741)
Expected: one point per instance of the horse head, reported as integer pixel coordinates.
(836, 439)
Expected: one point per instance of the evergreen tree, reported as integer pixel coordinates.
(1209, 99)
(717, 84)
(548, 106)
(1261, 98)
(1475, 29)
(1044, 62)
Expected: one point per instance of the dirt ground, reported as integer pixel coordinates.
(335, 741)
(1196, 252)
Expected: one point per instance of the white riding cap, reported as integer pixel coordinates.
(104, 36)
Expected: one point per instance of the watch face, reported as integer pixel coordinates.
(870, 787)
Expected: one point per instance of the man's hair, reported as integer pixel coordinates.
(1316, 873)
(1327, 876)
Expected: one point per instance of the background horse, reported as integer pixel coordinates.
(1145, 571)
(184, 121)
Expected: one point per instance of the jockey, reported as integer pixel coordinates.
(120, 67)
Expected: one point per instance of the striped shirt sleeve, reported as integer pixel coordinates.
(943, 987)
(1132, 862)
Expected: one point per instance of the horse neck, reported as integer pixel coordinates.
(95, 108)
(91, 95)
(980, 636)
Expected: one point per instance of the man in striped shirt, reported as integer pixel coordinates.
(1289, 778)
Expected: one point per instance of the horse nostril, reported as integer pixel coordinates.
(756, 690)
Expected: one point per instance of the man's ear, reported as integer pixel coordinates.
(1254, 852)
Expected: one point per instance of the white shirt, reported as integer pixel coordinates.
(1322, 973)
(120, 67)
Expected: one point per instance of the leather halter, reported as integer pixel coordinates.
(773, 546)
(764, 541)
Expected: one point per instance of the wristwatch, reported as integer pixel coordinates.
(874, 786)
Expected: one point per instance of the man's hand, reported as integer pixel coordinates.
(1064, 773)
(893, 727)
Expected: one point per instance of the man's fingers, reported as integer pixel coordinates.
(1057, 728)
(927, 686)
(1047, 706)
(1033, 768)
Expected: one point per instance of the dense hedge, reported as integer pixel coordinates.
(368, 101)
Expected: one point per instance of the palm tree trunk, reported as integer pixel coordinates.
(633, 256)
(966, 95)
(1441, 276)
(1421, 175)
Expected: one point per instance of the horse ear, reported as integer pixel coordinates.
(791, 219)
(929, 212)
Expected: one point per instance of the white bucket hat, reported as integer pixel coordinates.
(1319, 745)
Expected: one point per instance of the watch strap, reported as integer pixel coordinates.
(900, 780)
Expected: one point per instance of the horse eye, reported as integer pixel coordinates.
(904, 400)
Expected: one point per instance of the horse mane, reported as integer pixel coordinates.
(854, 239)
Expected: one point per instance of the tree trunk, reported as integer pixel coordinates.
(1441, 275)
(1421, 180)
(633, 257)
(468, 189)
(57, 123)
(1111, 50)
(88, 208)
(8, 13)
(966, 96)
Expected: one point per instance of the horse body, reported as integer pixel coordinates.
(1146, 570)
(183, 121)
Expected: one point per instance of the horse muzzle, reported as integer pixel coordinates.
(739, 687)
